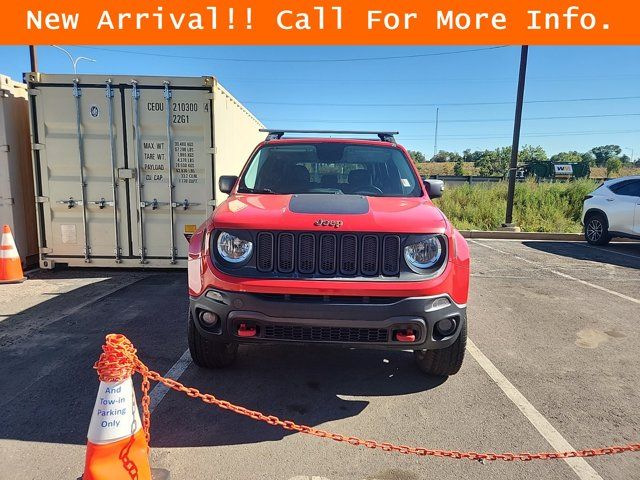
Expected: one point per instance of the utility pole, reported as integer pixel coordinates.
(630, 148)
(435, 143)
(515, 146)
(33, 56)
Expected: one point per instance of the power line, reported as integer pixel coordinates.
(534, 134)
(459, 120)
(422, 81)
(272, 60)
(439, 104)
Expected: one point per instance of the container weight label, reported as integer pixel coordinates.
(185, 162)
(155, 157)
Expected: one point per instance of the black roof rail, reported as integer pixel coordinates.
(277, 134)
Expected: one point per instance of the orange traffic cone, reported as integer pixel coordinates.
(10, 264)
(117, 446)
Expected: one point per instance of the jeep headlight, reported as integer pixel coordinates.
(234, 249)
(424, 253)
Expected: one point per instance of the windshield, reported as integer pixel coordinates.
(336, 168)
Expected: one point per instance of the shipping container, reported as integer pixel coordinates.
(560, 171)
(126, 168)
(17, 201)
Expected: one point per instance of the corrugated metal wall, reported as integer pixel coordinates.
(233, 125)
(128, 167)
(17, 205)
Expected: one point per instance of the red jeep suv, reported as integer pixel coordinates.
(334, 241)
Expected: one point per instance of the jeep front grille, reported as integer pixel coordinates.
(328, 254)
(326, 334)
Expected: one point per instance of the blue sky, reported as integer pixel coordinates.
(400, 93)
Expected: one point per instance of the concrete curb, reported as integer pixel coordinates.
(500, 235)
(568, 237)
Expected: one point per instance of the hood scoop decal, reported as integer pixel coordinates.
(329, 203)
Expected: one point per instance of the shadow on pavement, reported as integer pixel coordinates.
(309, 385)
(49, 385)
(619, 254)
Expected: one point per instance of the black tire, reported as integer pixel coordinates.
(208, 353)
(445, 361)
(596, 229)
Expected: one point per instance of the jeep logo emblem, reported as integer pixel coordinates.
(328, 223)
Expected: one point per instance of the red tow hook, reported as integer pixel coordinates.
(406, 336)
(245, 330)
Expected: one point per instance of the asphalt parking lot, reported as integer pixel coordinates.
(553, 361)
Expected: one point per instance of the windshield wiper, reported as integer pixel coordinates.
(320, 191)
(258, 190)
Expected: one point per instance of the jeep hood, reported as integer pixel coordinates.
(357, 213)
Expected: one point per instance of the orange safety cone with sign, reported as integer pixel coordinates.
(10, 264)
(117, 447)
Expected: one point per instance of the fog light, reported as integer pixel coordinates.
(215, 296)
(446, 327)
(439, 303)
(209, 318)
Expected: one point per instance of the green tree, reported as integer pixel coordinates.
(605, 152)
(567, 157)
(444, 156)
(503, 160)
(493, 162)
(625, 159)
(614, 164)
(458, 168)
(470, 156)
(484, 162)
(589, 158)
(529, 153)
(417, 157)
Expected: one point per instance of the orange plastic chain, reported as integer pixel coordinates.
(119, 360)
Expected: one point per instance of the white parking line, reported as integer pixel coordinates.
(160, 390)
(582, 469)
(560, 274)
(579, 465)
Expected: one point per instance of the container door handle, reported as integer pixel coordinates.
(185, 205)
(154, 204)
(102, 203)
(70, 203)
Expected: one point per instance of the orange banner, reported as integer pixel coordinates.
(316, 22)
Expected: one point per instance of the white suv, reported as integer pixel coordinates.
(612, 210)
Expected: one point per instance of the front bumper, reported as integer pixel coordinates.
(352, 321)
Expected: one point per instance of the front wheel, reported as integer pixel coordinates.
(444, 361)
(208, 353)
(596, 229)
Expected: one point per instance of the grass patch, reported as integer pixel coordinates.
(538, 207)
(446, 168)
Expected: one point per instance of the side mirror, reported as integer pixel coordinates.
(435, 188)
(226, 183)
